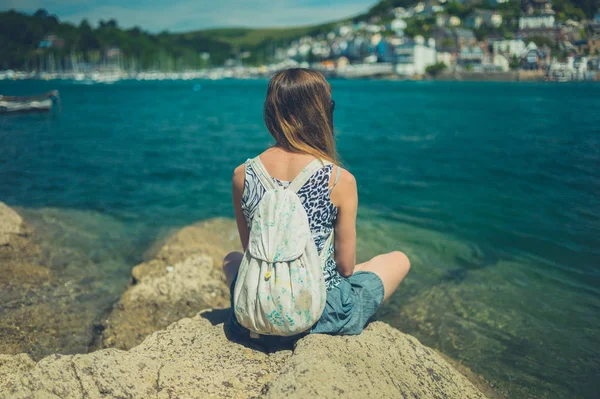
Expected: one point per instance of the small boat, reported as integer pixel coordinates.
(29, 104)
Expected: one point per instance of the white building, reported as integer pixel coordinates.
(513, 48)
(398, 25)
(402, 13)
(445, 20)
(501, 62)
(445, 58)
(574, 69)
(414, 56)
(545, 20)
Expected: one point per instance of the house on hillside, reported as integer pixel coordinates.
(445, 20)
(402, 13)
(540, 23)
(452, 40)
(464, 37)
(535, 21)
(531, 7)
(479, 18)
(593, 37)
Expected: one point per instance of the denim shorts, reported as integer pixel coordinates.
(348, 308)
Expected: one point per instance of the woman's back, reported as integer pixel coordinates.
(283, 167)
(298, 113)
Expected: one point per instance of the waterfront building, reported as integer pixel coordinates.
(533, 58)
(414, 56)
(575, 68)
(512, 48)
(501, 62)
(470, 57)
(445, 58)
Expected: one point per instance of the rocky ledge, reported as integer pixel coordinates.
(172, 351)
(193, 358)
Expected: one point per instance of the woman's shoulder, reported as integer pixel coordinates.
(239, 175)
(346, 178)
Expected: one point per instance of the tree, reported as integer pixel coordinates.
(41, 13)
(435, 69)
(514, 63)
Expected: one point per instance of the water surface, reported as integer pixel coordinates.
(490, 188)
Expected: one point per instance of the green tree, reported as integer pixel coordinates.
(435, 69)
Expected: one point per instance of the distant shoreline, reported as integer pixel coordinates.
(499, 77)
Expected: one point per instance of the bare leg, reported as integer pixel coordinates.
(231, 265)
(391, 268)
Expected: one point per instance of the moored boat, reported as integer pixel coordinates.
(29, 104)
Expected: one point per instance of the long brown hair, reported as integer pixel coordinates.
(299, 113)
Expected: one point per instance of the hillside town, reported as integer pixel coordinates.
(539, 47)
(426, 40)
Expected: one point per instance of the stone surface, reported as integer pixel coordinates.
(382, 362)
(11, 224)
(193, 358)
(183, 276)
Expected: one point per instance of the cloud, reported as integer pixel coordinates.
(185, 15)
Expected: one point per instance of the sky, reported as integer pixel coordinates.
(187, 15)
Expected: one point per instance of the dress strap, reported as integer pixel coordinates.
(263, 175)
(337, 178)
(307, 173)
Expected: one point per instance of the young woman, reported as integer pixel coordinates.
(298, 112)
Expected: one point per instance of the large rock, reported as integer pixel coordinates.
(382, 362)
(183, 276)
(193, 358)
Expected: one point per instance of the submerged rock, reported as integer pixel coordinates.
(183, 276)
(42, 309)
(193, 358)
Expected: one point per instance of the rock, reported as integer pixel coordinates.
(157, 300)
(184, 276)
(193, 358)
(11, 224)
(382, 362)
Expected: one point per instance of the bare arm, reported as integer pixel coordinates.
(345, 197)
(237, 186)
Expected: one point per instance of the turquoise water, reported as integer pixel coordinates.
(492, 189)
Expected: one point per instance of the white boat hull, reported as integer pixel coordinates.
(7, 107)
